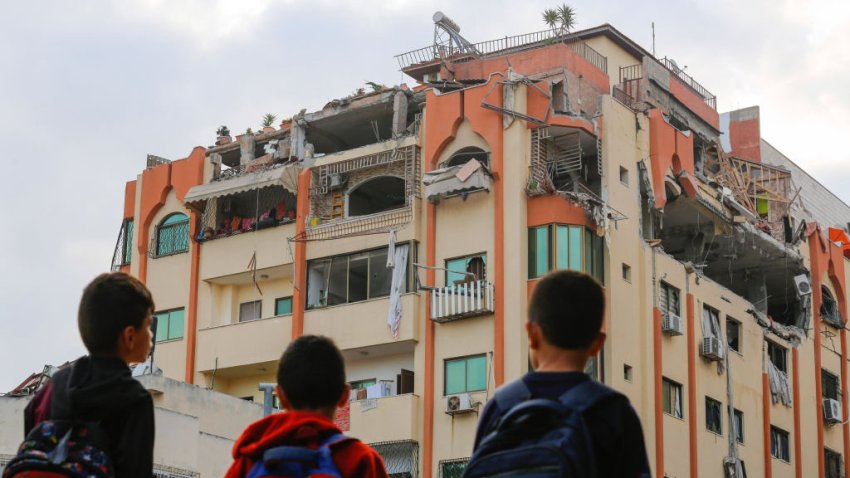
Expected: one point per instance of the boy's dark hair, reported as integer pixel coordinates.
(569, 307)
(311, 373)
(110, 303)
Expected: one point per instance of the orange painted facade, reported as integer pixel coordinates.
(745, 138)
(669, 150)
(694, 102)
(693, 446)
(299, 297)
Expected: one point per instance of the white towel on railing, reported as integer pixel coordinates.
(391, 250)
(398, 283)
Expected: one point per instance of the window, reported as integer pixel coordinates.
(624, 176)
(733, 334)
(283, 306)
(829, 309)
(779, 444)
(169, 324)
(668, 300)
(738, 421)
(250, 310)
(458, 269)
(713, 420)
(627, 372)
(833, 463)
(627, 273)
(453, 468)
(462, 156)
(564, 247)
(172, 235)
(829, 385)
(379, 194)
(777, 356)
(126, 242)
(355, 277)
(358, 388)
(671, 393)
(468, 374)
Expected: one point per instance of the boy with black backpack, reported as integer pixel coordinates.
(556, 421)
(93, 419)
(303, 441)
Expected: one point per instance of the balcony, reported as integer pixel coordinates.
(364, 324)
(242, 344)
(226, 259)
(385, 419)
(461, 301)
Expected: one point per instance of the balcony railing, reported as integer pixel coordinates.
(707, 97)
(502, 46)
(401, 458)
(461, 301)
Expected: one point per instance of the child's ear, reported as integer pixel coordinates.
(284, 402)
(596, 346)
(534, 334)
(346, 392)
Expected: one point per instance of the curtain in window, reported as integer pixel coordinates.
(779, 388)
(317, 277)
(676, 398)
(711, 326)
(398, 283)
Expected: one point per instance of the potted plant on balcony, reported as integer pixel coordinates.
(268, 122)
(223, 133)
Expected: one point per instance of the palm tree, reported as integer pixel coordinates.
(550, 17)
(268, 119)
(567, 16)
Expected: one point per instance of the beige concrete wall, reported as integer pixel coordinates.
(617, 57)
(229, 256)
(241, 344)
(393, 418)
(379, 368)
(218, 447)
(366, 150)
(176, 440)
(365, 323)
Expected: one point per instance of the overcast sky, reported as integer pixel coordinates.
(89, 88)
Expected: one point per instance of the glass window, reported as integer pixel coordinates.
(353, 277)
(283, 306)
(380, 278)
(733, 334)
(576, 248)
(668, 300)
(458, 269)
(779, 444)
(738, 421)
(359, 384)
(169, 324)
(538, 251)
(172, 235)
(776, 354)
(250, 310)
(358, 277)
(829, 385)
(128, 241)
(713, 420)
(671, 393)
(453, 468)
(833, 464)
(468, 374)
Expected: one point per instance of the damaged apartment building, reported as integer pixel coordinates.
(410, 224)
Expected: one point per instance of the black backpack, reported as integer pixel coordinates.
(539, 438)
(62, 446)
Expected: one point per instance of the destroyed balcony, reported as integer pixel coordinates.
(457, 179)
(368, 194)
(564, 160)
(461, 301)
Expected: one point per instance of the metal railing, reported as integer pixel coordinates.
(631, 72)
(123, 246)
(453, 468)
(460, 301)
(170, 239)
(688, 80)
(502, 46)
(243, 169)
(401, 458)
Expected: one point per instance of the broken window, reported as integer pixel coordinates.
(713, 414)
(780, 390)
(738, 423)
(250, 310)
(172, 235)
(351, 278)
(379, 194)
(671, 396)
(829, 385)
(575, 248)
(779, 444)
(777, 355)
(711, 328)
(460, 268)
(733, 334)
(833, 464)
(668, 300)
(462, 156)
(829, 309)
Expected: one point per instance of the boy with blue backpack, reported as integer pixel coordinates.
(93, 419)
(555, 421)
(303, 441)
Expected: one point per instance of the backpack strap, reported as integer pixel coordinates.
(512, 394)
(586, 395)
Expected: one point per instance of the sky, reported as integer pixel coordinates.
(89, 88)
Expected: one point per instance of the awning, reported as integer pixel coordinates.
(448, 181)
(286, 176)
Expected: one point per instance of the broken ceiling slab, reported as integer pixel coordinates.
(447, 182)
(280, 175)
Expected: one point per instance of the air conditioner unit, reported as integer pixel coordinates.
(831, 411)
(671, 324)
(804, 287)
(711, 348)
(336, 181)
(460, 403)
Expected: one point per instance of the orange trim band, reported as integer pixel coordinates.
(692, 389)
(795, 389)
(659, 399)
(192, 313)
(817, 257)
(765, 404)
(428, 399)
(846, 412)
(499, 275)
(299, 297)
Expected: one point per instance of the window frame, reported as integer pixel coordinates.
(466, 359)
(258, 307)
(826, 374)
(467, 258)
(176, 245)
(127, 238)
(667, 387)
(590, 252)
(738, 327)
(444, 473)
(827, 454)
(738, 421)
(710, 402)
(777, 450)
(277, 302)
(772, 349)
(356, 187)
(668, 291)
(167, 323)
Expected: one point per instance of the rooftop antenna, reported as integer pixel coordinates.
(447, 38)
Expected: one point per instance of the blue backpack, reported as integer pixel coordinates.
(539, 438)
(299, 462)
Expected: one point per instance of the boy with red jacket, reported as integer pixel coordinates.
(311, 386)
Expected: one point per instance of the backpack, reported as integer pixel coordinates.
(539, 438)
(299, 462)
(62, 446)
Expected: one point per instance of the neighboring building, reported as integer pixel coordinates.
(195, 428)
(590, 154)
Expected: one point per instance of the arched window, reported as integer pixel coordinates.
(172, 235)
(829, 312)
(463, 155)
(379, 194)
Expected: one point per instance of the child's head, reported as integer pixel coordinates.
(311, 376)
(115, 317)
(568, 308)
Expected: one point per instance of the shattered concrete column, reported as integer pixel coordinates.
(757, 289)
(247, 143)
(399, 113)
(297, 137)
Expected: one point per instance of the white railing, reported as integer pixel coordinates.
(461, 301)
